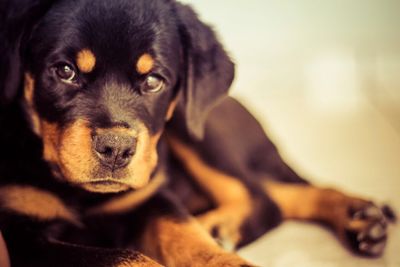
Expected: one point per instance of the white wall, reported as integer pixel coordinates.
(335, 53)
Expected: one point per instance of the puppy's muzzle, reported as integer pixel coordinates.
(114, 150)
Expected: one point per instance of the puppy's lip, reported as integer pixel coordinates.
(103, 181)
(105, 186)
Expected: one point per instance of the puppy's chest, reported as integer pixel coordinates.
(106, 222)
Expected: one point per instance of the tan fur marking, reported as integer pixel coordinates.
(35, 202)
(4, 258)
(85, 60)
(171, 109)
(70, 149)
(144, 160)
(139, 261)
(294, 201)
(177, 243)
(130, 200)
(75, 151)
(306, 202)
(29, 87)
(145, 64)
(51, 139)
(231, 197)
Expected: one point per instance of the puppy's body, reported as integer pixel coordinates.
(121, 148)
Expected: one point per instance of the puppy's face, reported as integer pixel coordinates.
(100, 83)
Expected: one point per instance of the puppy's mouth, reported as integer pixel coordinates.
(105, 186)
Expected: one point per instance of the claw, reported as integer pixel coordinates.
(389, 213)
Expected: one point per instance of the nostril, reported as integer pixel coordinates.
(107, 151)
(103, 149)
(127, 154)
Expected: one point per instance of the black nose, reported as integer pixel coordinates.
(114, 150)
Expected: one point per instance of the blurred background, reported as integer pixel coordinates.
(324, 79)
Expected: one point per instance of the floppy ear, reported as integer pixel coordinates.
(17, 19)
(209, 71)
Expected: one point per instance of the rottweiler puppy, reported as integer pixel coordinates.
(120, 146)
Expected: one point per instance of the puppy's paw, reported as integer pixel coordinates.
(223, 225)
(366, 229)
(228, 260)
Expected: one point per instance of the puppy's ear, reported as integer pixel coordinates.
(17, 19)
(209, 71)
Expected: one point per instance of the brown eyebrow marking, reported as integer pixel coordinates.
(145, 63)
(86, 60)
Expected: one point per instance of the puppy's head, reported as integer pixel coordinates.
(100, 79)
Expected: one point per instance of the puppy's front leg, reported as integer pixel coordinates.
(177, 239)
(25, 213)
(360, 224)
(52, 253)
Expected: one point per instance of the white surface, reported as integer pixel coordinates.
(358, 152)
(323, 78)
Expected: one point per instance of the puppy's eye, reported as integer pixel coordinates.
(153, 84)
(66, 73)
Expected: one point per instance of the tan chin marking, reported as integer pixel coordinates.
(34, 202)
(145, 159)
(130, 200)
(29, 90)
(85, 60)
(144, 64)
(105, 187)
